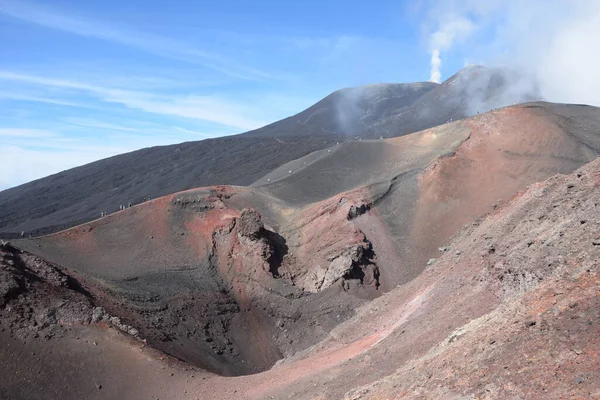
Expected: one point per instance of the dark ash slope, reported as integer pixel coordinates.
(350, 111)
(81, 194)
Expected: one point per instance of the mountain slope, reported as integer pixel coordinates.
(508, 309)
(348, 111)
(391, 110)
(202, 273)
(81, 194)
(519, 292)
(472, 90)
(371, 111)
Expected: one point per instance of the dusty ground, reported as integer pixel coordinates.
(232, 279)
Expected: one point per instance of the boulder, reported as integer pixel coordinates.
(338, 268)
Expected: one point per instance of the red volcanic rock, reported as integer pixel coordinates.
(329, 248)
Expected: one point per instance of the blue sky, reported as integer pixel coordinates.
(82, 80)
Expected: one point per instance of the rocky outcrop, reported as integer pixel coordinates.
(38, 299)
(354, 263)
(35, 296)
(332, 250)
(250, 224)
(358, 210)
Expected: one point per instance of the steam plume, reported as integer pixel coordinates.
(436, 65)
(451, 29)
(555, 49)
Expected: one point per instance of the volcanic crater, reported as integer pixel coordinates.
(272, 277)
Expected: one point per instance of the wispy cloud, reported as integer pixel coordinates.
(47, 100)
(222, 111)
(92, 123)
(40, 80)
(165, 47)
(207, 108)
(141, 129)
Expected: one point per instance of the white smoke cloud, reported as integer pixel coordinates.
(568, 66)
(451, 29)
(555, 41)
(436, 66)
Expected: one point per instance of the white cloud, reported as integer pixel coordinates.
(195, 133)
(95, 124)
(451, 29)
(568, 68)
(191, 106)
(553, 40)
(142, 129)
(222, 111)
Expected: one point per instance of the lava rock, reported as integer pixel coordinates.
(97, 314)
(338, 268)
(250, 224)
(355, 211)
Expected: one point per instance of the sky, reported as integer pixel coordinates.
(81, 80)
